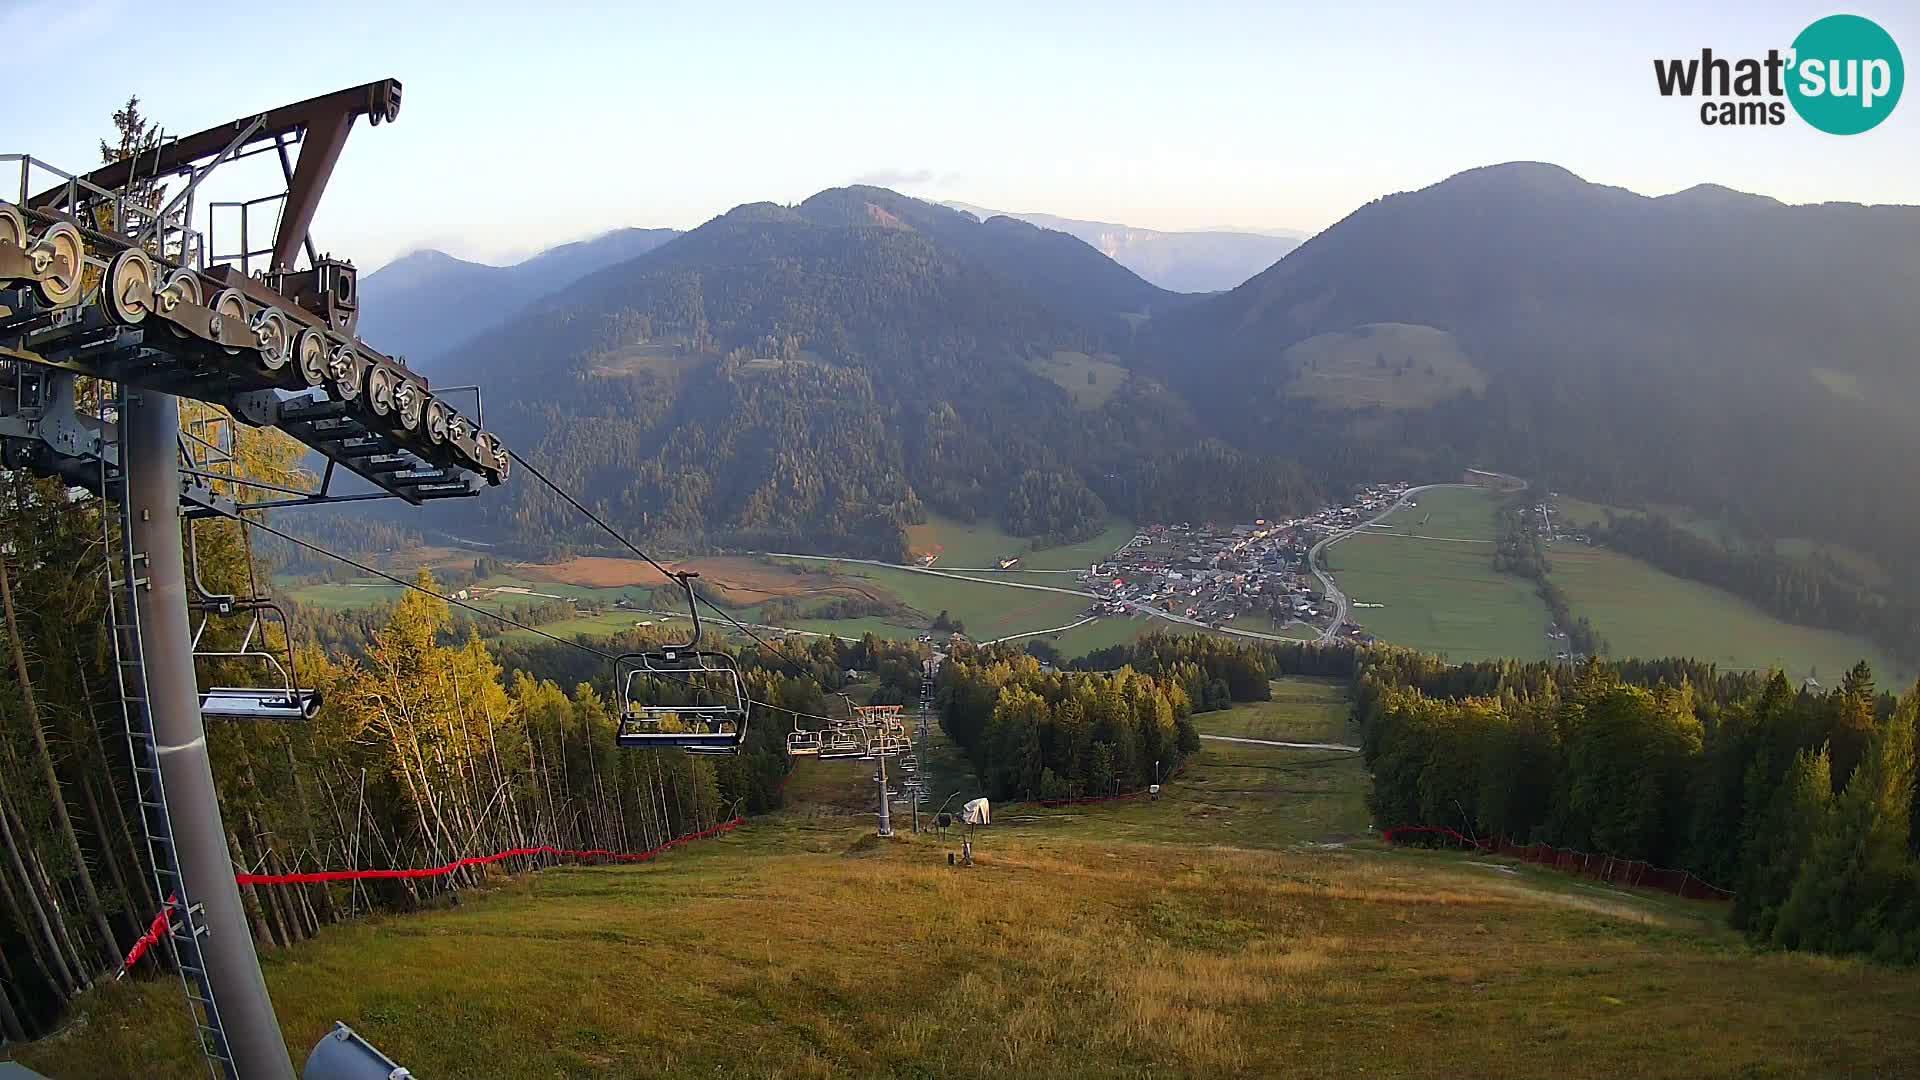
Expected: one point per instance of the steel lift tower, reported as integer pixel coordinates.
(112, 309)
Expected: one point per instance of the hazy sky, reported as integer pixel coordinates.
(526, 124)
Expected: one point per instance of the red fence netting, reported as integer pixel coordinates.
(163, 920)
(1634, 873)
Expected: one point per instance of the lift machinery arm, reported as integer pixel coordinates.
(322, 124)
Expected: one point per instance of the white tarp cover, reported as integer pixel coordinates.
(977, 812)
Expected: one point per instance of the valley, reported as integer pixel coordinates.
(1419, 577)
(592, 592)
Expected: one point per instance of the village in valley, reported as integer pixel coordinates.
(1258, 574)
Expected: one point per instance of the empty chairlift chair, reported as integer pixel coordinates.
(803, 743)
(681, 696)
(843, 741)
(279, 698)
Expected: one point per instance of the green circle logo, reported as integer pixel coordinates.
(1846, 75)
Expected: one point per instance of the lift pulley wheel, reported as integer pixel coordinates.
(129, 291)
(13, 227)
(310, 356)
(276, 345)
(59, 255)
(182, 287)
(230, 313)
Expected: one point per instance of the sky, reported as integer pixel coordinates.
(525, 125)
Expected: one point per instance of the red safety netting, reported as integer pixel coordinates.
(163, 920)
(161, 923)
(325, 876)
(1634, 873)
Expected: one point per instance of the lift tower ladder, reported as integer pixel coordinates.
(185, 919)
(108, 276)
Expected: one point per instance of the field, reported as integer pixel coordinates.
(988, 611)
(1231, 928)
(1642, 611)
(1070, 370)
(1100, 633)
(1392, 365)
(1302, 710)
(1442, 595)
(982, 543)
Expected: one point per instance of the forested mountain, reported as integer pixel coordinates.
(1207, 260)
(826, 372)
(424, 303)
(822, 374)
(1709, 347)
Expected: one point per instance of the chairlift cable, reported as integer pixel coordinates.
(650, 561)
(496, 616)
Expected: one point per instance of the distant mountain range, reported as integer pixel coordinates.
(1208, 260)
(410, 306)
(824, 373)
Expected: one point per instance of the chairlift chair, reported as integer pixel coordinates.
(803, 743)
(843, 742)
(280, 698)
(715, 722)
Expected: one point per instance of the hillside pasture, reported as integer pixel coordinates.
(1088, 380)
(1388, 365)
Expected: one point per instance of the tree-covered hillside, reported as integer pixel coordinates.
(1708, 348)
(821, 375)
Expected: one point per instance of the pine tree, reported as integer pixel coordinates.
(1779, 842)
(1850, 885)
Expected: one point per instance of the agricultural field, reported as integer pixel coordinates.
(1088, 380)
(1392, 365)
(1239, 925)
(1448, 513)
(1100, 633)
(1442, 595)
(988, 611)
(1642, 611)
(981, 543)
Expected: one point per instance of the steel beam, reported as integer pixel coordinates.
(379, 100)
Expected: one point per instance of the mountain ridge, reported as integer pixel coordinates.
(410, 306)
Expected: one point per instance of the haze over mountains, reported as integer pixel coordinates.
(827, 372)
(409, 304)
(1202, 260)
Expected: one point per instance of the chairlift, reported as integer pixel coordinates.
(713, 722)
(281, 698)
(843, 742)
(803, 743)
(885, 744)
